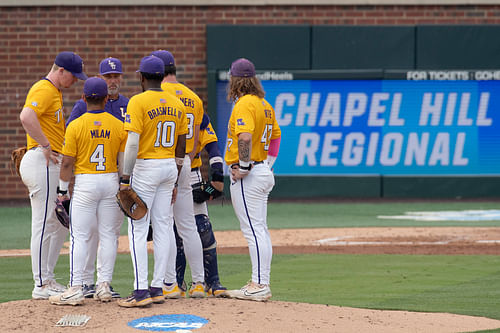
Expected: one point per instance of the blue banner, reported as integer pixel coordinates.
(382, 127)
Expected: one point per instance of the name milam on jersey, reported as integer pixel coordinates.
(164, 110)
(97, 134)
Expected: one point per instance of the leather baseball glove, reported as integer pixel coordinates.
(15, 159)
(205, 191)
(131, 204)
(62, 212)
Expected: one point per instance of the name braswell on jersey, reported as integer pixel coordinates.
(162, 111)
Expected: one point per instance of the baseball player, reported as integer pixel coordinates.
(91, 145)
(110, 69)
(252, 136)
(157, 125)
(43, 121)
(184, 219)
(207, 141)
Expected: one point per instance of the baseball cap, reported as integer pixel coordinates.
(242, 68)
(71, 62)
(109, 66)
(151, 65)
(167, 57)
(95, 87)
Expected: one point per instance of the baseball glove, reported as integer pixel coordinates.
(131, 204)
(62, 212)
(15, 159)
(205, 191)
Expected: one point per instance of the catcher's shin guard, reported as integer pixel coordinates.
(180, 261)
(209, 249)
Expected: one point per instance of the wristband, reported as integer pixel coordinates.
(46, 147)
(124, 181)
(244, 171)
(61, 192)
(245, 165)
(63, 186)
(179, 161)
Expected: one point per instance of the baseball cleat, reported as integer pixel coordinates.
(88, 290)
(252, 292)
(217, 290)
(56, 286)
(115, 294)
(103, 292)
(156, 295)
(197, 290)
(171, 290)
(72, 296)
(44, 292)
(139, 298)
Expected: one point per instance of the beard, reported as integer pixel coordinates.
(113, 90)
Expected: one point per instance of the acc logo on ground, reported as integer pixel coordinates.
(169, 323)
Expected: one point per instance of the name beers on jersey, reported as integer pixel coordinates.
(164, 111)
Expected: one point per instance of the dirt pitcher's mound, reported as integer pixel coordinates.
(225, 315)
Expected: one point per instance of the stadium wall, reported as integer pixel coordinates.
(31, 36)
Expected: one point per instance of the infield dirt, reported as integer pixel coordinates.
(227, 315)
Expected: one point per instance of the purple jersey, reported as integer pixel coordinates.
(116, 107)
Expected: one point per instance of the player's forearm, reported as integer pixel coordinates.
(245, 147)
(31, 125)
(130, 154)
(180, 151)
(66, 172)
(274, 148)
(196, 142)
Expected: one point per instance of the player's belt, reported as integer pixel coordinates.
(253, 163)
(195, 169)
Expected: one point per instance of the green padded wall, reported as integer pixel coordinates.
(268, 47)
(458, 47)
(360, 47)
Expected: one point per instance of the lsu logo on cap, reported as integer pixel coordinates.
(112, 64)
(240, 122)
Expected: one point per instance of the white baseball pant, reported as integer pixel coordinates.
(153, 180)
(186, 228)
(93, 207)
(249, 197)
(47, 234)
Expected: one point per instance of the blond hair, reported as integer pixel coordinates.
(241, 86)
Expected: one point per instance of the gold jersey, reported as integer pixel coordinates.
(46, 100)
(193, 106)
(94, 140)
(158, 117)
(256, 116)
(206, 136)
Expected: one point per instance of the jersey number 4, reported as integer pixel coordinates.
(98, 157)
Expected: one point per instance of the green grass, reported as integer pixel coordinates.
(15, 222)
(457, 284)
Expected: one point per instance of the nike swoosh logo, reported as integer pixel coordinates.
(254, 293)
(68, 297)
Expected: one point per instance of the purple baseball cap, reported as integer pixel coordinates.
(71, 62)
(151, 65)
(95, 87)
(109, 66)
(167, 57)
(242, 68)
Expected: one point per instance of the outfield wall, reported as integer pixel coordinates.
(32, 35)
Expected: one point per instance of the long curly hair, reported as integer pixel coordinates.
(241, 86)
